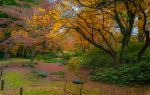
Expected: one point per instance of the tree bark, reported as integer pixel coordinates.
(140, 29)
(61, 51)
(115, 59)
(144, 48)
(147, 35)
(124, 48)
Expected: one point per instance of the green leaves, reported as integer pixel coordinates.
(3, 15)
(125, 74)
(9, 2)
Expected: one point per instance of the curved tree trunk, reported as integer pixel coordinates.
(147, 35)
(145, 46)
(124, 48)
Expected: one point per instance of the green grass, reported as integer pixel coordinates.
(34, 86)
(54, 60)
(50, 58)
(14, 79)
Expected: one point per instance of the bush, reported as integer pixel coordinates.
(55, 60)
(42, 74)
(69, 54)
(46, 56)
(1, 55)
(125, 74)
(50, 57)
(33, 1)
(3, 15)
(28, 65)
(95, 58)
(9, 2)
(26, 5)
(4, 25)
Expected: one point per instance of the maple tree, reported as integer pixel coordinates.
(97, 21)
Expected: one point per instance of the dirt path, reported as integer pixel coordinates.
(50, 67)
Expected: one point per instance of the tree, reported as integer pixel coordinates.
(97, 21)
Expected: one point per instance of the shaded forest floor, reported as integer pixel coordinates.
(16, 75)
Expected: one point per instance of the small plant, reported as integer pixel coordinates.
(42, 74)
(28, 65)
(3, 15)
(77, 81)
(74, 65)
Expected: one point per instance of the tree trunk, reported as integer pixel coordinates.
(61, 51)
(124, 49)
(115, 60)
(140, 28)
(144, 48)
(140, 36)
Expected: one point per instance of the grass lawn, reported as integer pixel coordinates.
(55, 60)
(32, 85)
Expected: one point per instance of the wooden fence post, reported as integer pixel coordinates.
(2, 84)
(21, 91)
(1, 73)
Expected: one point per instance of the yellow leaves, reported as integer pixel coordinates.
(39, 20)
(41, 9)
(74, 65)
(56, 27)
(14, 49)
(20, 32)
(52, 35)
(55, 14)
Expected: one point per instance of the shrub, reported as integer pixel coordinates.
(54, 60)
(33, 1)
(68, 54)
(9, 2)
(3, 15)
(95, 58)
(1, 55)
(4, 25)
(50, 57)
(74, 65)
(42, 74)
(125, 74)
(28, 65)
(46, 56)
(26, 5)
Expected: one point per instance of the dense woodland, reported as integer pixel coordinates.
(95, 41)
